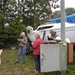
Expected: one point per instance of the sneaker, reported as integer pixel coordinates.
(36, 71)
(24, 62)
(16, 62)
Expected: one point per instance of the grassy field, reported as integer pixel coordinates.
(9, 68)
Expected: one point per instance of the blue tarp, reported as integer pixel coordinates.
(69, 19)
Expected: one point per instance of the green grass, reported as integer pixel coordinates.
(8, 67)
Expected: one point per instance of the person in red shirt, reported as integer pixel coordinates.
(36, 52)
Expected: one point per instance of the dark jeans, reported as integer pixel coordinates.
(37, 62)
(22, 50)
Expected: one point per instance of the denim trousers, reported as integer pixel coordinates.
(22, 50)
(37, 62)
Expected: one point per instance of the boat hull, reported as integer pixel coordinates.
(69, 32)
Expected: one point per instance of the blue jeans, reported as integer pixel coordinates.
(37, 62)
(22, 50)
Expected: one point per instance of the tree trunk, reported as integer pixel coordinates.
(34, 14)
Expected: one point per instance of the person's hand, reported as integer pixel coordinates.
(20, 40)
(47, 35)
(32, 43)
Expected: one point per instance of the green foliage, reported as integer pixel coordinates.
(7, 9)
(67, 10)
(56, 14)
(1, 15)
(14, 30)
(17, 14)
(10, 34)
(33, 11)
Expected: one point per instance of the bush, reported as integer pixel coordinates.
(1, 45)
(9, 35)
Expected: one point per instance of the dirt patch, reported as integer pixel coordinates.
(20, 71)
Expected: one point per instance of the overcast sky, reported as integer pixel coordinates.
(68, 3)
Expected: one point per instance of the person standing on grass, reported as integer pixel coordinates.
(36, 52)
(22, 47)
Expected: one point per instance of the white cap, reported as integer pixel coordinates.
(57, 38)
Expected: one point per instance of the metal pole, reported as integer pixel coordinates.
(62, 19)
(62, 72)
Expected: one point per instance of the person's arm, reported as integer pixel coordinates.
(35, 44)
(50, 38)
(24, 41)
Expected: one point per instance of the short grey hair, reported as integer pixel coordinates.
(37, 33)
(52, 30)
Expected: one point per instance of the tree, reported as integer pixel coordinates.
(1, 17)
(67, 10)
(70, 11)
(8, 15)
(17, 13)
(9, 35)
(7, 7)
(33, 11)
(29, 12)
(56, 14)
